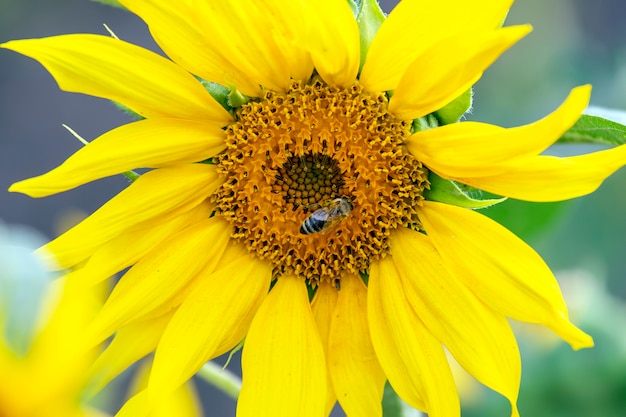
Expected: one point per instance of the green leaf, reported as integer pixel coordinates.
(370, 18)
(113, 3)
(453, 111)
(451, 192)
(527, 220)
(394, 406)
(597, 129)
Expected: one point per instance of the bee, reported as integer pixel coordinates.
(326, 217)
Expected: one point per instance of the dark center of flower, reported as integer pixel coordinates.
(316, 179)
(309, 180)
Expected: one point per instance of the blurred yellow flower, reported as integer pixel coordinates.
(317, 179)
(48, 379)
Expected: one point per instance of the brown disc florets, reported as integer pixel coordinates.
(294, 157)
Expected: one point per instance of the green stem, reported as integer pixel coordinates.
(221, 378)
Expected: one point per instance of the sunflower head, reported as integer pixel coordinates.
(291, 155)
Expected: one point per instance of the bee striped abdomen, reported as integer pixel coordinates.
(327, 217)
(314, 224)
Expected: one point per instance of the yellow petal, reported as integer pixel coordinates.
(471, 149)
(133, 244)
(480, 340)
(550, 178)
(331, 35)
(150, 143)
(241, 32)
(137, 406)
(154, 194)
(502, 270)
(160, 275)
(323, 306)
(130, 344)
(220, 305)
(283, 361)
(414, 361)
(414, 26)
(289, 23)
(184, 402)
(446, 70)
(357, 377)
(105, 67)
(175, 27)
(57, 352)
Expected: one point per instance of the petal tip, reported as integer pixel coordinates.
(18, 187)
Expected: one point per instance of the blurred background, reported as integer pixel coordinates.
(584, 241)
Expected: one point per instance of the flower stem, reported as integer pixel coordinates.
(221, 378)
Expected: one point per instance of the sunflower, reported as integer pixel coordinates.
(42, 360)
(285, 201)
(46, 369)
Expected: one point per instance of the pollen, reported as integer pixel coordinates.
(290, 155)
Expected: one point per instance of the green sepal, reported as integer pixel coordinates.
(113, 3)
(219, 93)
(451, 192)
(424, 123)
(597, 130)
(236, 99)
(311, 290)
(135, 116)
(131, 175)
(354, 6)
(453, 111)
(369, 18)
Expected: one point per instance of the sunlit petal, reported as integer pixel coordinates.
(241, 32)
(331, 35)
(133, 244)
(446, 70)
(106, 67)
(289, 23)
(478, 338)
(551, 178)
(131, 343)
(144, 144)
(175, 27)
(283, 354)
(323, 307)
(502, 270)
(154, 194)
(472, 149)
(223, 302)
(356, 374)
(414, 361)
(160, 275)
(401, 39)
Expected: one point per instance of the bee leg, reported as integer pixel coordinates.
(337, 284)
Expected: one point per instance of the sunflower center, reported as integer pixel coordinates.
(317, 177)
(307, 181)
